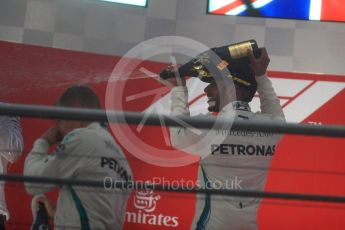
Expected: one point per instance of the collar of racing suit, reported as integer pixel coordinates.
(93, 125)
(236, 105)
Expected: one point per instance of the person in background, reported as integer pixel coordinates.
(85, 151)
(11, 147)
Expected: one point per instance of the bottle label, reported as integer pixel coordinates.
(222, 65)
(199, 65)
(240, 50)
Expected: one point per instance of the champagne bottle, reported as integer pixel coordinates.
(238, 50)
(41, 222)
(2, 222)
(233, 56)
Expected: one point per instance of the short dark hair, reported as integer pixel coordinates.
(79, 96)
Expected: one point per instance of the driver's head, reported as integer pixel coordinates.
(231, 80)
(221, 93)
(79, 96)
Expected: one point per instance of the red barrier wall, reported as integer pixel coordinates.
(37, 75)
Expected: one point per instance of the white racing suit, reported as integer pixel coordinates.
(84, 154)
(230, 159)
(11, 147)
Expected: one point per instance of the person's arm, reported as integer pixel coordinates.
(181, 137)
(269, 101)
(61, 163)
(11, 139)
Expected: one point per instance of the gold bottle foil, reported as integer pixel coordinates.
(240, 50)
(199, 66)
